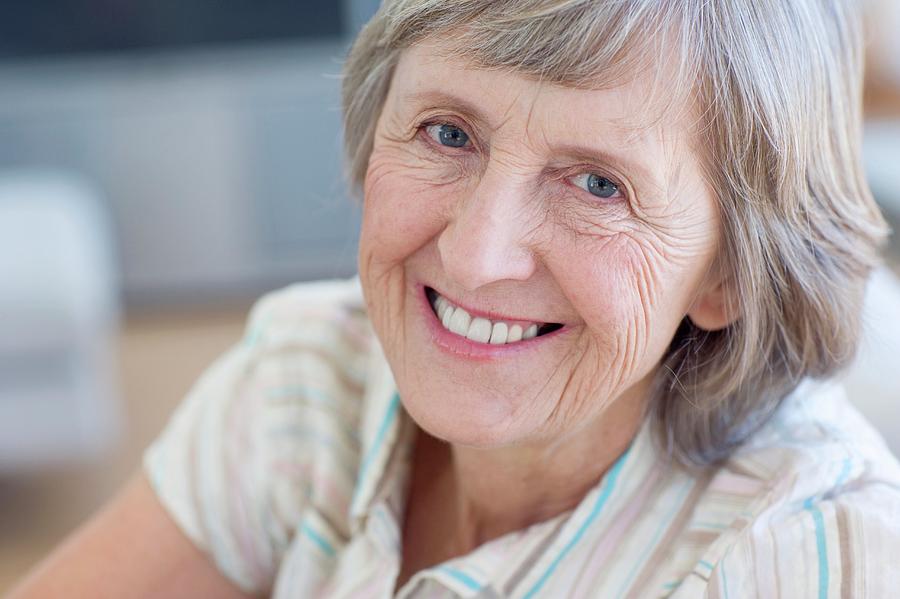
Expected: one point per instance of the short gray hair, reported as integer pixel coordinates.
(778, 85)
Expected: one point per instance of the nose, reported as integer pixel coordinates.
(488, 238)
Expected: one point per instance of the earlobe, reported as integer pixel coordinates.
(715, 307)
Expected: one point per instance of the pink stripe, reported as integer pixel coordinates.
(317, 481)
(730, 483)
(239, 423)
(610, 539)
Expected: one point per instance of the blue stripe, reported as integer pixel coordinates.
(819, 521)
(379, 438)
(724, 579)
(254, 335)
(820, 546)
(703, 562)
(601, 501)
(672, 585)
(324, 545)
(315, 399)
(676, 505)
(462, 577)
(303, 391)
(845, 471)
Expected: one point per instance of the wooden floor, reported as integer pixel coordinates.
(160, 357)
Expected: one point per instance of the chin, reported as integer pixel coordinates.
(464, 420)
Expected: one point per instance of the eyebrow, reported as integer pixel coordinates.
(579, 153)
(440, 97)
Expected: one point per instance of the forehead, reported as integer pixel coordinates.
(429, 65)
(633, 120)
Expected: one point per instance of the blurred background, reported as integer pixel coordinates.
(162, 164)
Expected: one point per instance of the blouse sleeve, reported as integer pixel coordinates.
(843, 545)
(212, 469)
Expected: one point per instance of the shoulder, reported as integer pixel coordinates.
(309, 312)
(843, 544)
(824, 511)
(309, 342)
(322, 323)
(298, 374)
(304, 377)
(816, 444)
(270, 430)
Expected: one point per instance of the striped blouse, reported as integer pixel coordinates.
(288, 464)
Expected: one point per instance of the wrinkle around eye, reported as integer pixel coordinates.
(418, 169)
(602, 221)
(443, 167)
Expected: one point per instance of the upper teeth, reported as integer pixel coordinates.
(457, 320)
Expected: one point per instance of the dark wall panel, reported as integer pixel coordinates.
(46, 28)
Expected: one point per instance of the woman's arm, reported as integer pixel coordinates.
(131, 548)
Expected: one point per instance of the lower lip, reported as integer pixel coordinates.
(460, 346)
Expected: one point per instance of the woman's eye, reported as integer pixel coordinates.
(447, 135)
(596, 185)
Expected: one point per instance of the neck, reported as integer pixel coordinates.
(498, 490)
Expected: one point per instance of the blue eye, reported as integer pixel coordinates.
(447, 135)
(596, 185)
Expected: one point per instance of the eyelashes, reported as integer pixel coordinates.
(447, 135)
(437, 131)
(597, 185)
(449, 139)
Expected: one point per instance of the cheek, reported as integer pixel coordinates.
(402, 209)
(630, 294)
(599, 277)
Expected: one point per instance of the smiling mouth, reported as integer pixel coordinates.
(482, 330)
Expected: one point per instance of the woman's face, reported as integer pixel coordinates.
(577, 213)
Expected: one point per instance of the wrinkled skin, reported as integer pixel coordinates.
(500, 227)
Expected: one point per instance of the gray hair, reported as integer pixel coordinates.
(778, 86)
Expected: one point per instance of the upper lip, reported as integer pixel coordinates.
(489, 314)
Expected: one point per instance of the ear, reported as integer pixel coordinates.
(715, 306)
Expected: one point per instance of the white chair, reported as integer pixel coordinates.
(59, 312)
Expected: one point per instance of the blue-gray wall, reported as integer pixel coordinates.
(221, 168)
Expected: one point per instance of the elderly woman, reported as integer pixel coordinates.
(611, 253)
